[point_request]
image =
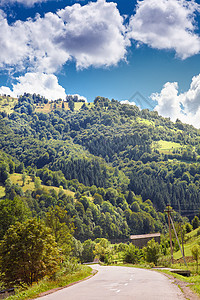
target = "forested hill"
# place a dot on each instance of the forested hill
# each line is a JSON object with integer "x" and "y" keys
{"x": 117, "y": 152}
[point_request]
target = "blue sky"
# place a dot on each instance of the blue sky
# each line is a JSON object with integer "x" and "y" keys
{"x": 104, "y": 48}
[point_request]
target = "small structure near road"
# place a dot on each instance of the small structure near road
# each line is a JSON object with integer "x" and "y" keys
{"x": 141, "y": 240}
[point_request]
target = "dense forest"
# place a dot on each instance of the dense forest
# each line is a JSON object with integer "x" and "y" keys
{"x": 121, "y": 164}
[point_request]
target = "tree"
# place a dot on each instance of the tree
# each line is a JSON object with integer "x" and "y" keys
{"x": 28, "y": 252}
{"x": 152, "y": 251}
{"x": 12, "y": 211}
{"x": 62, "y": 228}
{"x": 71, "y": 105}
{"x": 98, "y": 199}
{"x": 195, "y": 254}
{"x": 195, "y": 222}
{"x": 23, "y": 178}
{"x": 88, "y": 251}
{"x": 188, "y": 227}
{"x": 37, "y": 182}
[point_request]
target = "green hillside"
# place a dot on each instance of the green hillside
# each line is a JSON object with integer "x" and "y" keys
{"x": 192, "y": 238}
{"x": 132, "y": 162}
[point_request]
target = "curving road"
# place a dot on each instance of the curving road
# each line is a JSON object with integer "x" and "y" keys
{"x": 121, "y": 283}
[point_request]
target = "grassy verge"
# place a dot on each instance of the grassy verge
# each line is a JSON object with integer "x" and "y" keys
{"x": 194, "y": 280}
{"x": 47, "y": 284}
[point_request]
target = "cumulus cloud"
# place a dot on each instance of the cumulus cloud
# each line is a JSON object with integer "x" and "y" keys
{"x": 127, "y": 102}
{"x": 44, "y": 84}
{"x": 184, "y": 106}
{"x": 166, "y": 24}
{"x": 24, "y": 2}
{"x": 92, "y": 35}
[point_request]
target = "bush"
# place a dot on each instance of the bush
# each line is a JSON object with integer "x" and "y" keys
{"x": 195, "y": 222}
{"x": 132, "y": 254}
{"x": 188, "y": 227}
{"x": 152, "y": 252}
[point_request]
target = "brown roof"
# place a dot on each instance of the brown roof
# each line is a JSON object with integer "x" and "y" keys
{"x": 144, "y": 236}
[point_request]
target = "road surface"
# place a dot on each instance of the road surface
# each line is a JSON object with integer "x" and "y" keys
{"x": 121, "y": 283}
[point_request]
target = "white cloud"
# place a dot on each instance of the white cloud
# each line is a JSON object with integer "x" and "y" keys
{"x": 24, "y": 2}
{"x": 184, "y": 106}
{"x": 44, "y": 84}
{"x": 127, "y": 102}
{"x": 166, "y": 24}
{"x": 92, "y": 35}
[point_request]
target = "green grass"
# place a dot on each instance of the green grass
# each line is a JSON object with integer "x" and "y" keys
{"x": 193, "y": 280}
{"x": 47, "y": 284}
{"x": 144, "y": 121}
{"x": 48, "y": 107}
{"x": 77, "y": 105}
{"x": 166, "y": 147}
{"x": 29, "y": 184}
{"x": 191, "y": 239}
{"x": 2, "y": 191}
{"x": 7, "y": 104}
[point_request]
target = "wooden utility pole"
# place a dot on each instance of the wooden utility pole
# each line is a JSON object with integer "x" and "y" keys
{"x": 168, "y": 211}
{"x": 182, "y": 241}
{"x": 178, "y": 241}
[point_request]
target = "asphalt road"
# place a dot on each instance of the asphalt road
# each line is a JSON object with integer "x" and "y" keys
{"x": 121, "y": 283}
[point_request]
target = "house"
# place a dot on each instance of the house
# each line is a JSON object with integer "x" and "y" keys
{"x": 141, "y": 240}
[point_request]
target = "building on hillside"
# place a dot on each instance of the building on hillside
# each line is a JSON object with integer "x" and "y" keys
{"x": 141, "y": 240}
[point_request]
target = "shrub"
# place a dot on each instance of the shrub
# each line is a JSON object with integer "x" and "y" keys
{"x": 152, "y": 252}
{"x": 132, "y": 254}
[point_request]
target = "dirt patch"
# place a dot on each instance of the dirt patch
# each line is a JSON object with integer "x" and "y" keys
{"x": 185, "y": 287}
{"x": 68, "y": 285}
{"x": 188, "y": 259}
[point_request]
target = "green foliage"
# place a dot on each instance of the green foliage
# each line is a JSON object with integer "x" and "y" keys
{"x": 132, "y": 254}
{"x": 195, "y": 222}
{"x": 114, "y": 155}
{"x": 88, "y": 251}
{"x": 152, "y": 251}
{"x": 12, "y": 211}
{"x": 62, "y": 228}
{"x": 61, "y": 280}
{"x": 188, "y": 227}
{"x": 28, "y": 252}
{"x": 195, "y": 254}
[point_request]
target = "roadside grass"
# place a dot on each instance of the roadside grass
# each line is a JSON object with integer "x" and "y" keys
{"x": 193, "y": 281}
{"x": 192, "y": 238}
{"x": 47, "y": 284}
{"x": 29, "y": 184}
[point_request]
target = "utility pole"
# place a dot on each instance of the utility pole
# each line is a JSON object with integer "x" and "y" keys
{"x": 168, "y": 211}
{"x": 182, "y": 240}
{"x": 178, "y": 241}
